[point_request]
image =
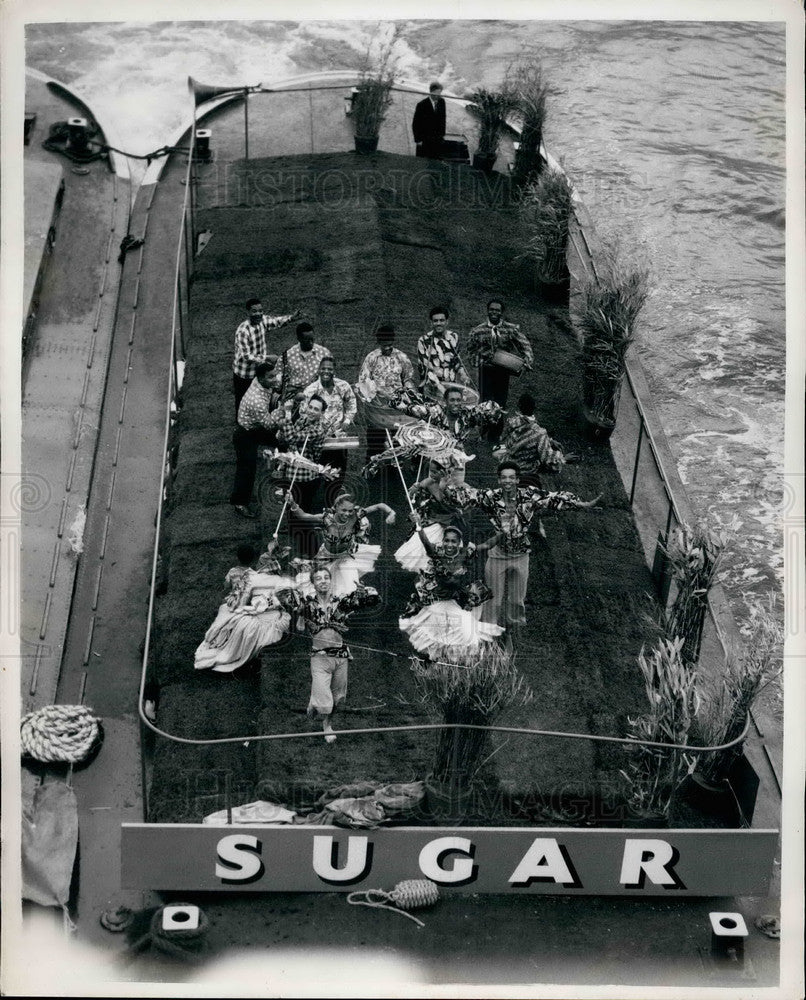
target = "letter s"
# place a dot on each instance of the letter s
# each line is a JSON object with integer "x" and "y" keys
{"x": 240, "y": 857}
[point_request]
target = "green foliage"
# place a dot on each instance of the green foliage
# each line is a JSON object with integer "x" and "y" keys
{"x": 546, "y": 207}
{"x": 653, "y": 774}
{"x": 727, "y": 699}
{"x": 492, "y": 108}
{"x": 472, "y": 689}
{"x": 607, "y": 319}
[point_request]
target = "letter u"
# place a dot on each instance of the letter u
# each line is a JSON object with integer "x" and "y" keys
{"x": 326, "y": 857}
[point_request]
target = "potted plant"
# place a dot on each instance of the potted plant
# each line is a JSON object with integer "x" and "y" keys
{"x": 693, "y": 555}
{"x": 373, "y": 96}
{"x": 491, "y": 109}
{"x": 470, "y": 688}
{"x": 723, "y": 783}
{"x": 527, "y": 81}
{"x": 654, "y": 774}
{"x": 546, "y": 207}
{"x": 610, "y": 306}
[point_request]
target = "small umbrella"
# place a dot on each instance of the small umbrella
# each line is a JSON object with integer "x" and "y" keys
{"x": 426, "y": 439}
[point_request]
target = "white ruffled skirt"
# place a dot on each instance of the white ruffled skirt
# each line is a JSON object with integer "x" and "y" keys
{"x": 346, "y": 570}
{"x": 412, "y": 555}
{"x": 235, "y": 637}
{"x": 444, "y": 623}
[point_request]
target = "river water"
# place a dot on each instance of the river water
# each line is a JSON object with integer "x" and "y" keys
{"x": 673, "y": 133}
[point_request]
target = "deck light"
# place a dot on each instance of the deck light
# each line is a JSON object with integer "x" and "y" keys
{"x": 182, "y": 917}
{"x": 77, "y": 134}
{"x": 203, "y": 151}
{"x": 728, "y": 931}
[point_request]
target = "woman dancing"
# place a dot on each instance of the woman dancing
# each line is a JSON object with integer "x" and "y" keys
{"x": 344, "y": 549}
{"x": 250, "y": 619}
{"x": 433, "y": 509}
{"x": 446, "y": 606}
{"x": 324, "y": 616}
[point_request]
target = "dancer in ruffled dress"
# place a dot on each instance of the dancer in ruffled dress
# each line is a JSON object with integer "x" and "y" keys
{"x": 324, "y": 617}
{"x": 250, "y": 619}
{"x": 344, "y": 549}
{"x": 433, "y": 509}
{"x": 445, "y": 609}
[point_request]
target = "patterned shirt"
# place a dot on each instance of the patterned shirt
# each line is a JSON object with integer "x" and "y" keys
{"x": 250, "y": 343}
{"x": 440, "y": 355}
{"x": 296, "y": 368}
{"x": 480, "y": 415}
{"x": 524, "y": 441}
{"x": 315, "y": 616}
{"x": 340, "y": 399}
{"x": 389, "y": 372}
{"x": 291, "y": 434}
{"x": 512, "y": 520}
{"x": 486, "y": 339}
{"x": 339, "y": 538}
{"x": 447, "y": 578}
{"x": 255, "y": 409}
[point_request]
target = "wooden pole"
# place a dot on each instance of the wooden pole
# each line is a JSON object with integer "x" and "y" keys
{"x": 288, "y": 494}
{"x": 246, "y": 122}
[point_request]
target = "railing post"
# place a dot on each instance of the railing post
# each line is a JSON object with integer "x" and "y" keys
{"x": 637, "y": 457}
{"x": 179, "y": 309}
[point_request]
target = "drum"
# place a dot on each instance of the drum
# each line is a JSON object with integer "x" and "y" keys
{"x": 348, "y": 442}
{"x": 512, "y": 362}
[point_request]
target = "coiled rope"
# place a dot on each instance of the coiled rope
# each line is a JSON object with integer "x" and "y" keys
{"x": 410, "y": 894}
{"x": 65, "y": 734}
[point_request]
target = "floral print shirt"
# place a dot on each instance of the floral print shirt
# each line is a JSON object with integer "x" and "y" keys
{"x": 440, "y": 355}
{"x": 486, "y": 339}
{"x": 340, "y": 538}
{"x": 480, "y": 415}
{"x": 389, "y": 372}
{"x": 316, "y": 616}
{"x": 512, "y": 519}
{"x": 340, "y": 399}
{"x": 447, "y": 578}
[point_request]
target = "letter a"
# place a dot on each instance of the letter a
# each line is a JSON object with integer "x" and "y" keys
{"x": 545, "y": 861}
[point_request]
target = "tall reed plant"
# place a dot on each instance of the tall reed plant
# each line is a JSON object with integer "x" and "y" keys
{"x": 746, "y": 679}
{"x": 654, "y": 774}
{"x": 610, "y": 306}
{"x": 527, "y": 80}
{"x": 491, "y": 109}
{"x": 470, "y": 688}
{"x": 546, "y": 207}
{"x": 694, "y": 554}
{"x": 373, "y": 96}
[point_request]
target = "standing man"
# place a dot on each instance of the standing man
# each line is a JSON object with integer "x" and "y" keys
{"x": 392, "y": 374}
{"x": 341, "y": 408}
{"x": 428, "y": 124}
{"x": 487, "y": 338}
{"x": 255, "y": 426}
{"x": 299, "y": 365}
{"x": 251, "y": 346}
{"x": 510, "y": 509}
{"x": 438, "y": 354}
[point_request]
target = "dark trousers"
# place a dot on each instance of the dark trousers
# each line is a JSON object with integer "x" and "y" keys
{"x": 493, "y": 384}
{"x": 303, "y": 538}
{"x": 246, "y": 444}
{"x": 239, "y": 387}
{"x": 376, "y": 441}
{"x": 431, "y": 148}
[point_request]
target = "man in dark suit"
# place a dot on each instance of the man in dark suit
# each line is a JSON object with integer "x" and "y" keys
{"x": 428, "y": 124}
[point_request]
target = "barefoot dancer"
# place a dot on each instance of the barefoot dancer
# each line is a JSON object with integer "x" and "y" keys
{"x": 324, "y": 617}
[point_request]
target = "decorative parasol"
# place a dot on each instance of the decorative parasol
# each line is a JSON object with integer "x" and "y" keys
{"x": 426, "y": 439}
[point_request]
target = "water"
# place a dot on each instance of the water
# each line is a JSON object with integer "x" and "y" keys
{"x": 673, "y": 133}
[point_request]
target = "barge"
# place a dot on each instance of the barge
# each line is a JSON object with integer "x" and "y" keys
{"x": 352, "y": 241}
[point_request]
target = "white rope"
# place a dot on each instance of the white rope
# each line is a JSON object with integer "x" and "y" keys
{"x": 410, "y": 894}
{"x": 60, "y": 733}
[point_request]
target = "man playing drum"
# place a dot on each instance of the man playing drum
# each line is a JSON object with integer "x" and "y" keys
{"x": 499, "y": 350}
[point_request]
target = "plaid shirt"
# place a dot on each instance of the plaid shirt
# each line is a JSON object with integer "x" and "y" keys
{"x": 297, "y": 368}
{"x": 486, "y": 339}
{"x": 250, "y": 344}
{"x": 255, "y": 409}
{"x": 440, "y": 355}
{"x": 341, "y": 404}
{"x": 292, "y": 433}
{"x": 524, "y": 441}
{"x": 512, "y": 521}
{"x": 389, "y": 372}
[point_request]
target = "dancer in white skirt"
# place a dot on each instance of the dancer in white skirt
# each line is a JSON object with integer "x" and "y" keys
{"x": 344, "y": 550}
{"x": 446, "y": 606}
{"x": 434, "y": 511}
{"x": 249, "y": 620}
